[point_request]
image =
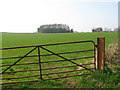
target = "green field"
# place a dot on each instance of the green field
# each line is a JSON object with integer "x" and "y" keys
{"x": 17, "y": 39}
{"x": 25, "y": 39}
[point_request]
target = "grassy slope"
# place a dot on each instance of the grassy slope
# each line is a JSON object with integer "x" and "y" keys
{"x": 12, "y": 39}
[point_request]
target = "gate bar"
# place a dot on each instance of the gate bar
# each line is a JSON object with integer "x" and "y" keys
{"x": 47, "y": 68}
{"x": 65, "y": 58}
{"x": 67, "y": 76}
{"x": 48, "y": 44}
{"x": 19, "y": 60}
{"x": 50, "y": 61}
{"x": 44, "y": 79}
{"x": 47, "y": 74}
{"x": 40, "y": 63}
{"x": 48, "y": 54}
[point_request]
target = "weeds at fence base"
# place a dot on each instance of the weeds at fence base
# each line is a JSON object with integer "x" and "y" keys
{"x": 112, "y": 56}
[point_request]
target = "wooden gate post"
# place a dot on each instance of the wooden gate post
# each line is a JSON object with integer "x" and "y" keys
{"x": 100, "y": 53}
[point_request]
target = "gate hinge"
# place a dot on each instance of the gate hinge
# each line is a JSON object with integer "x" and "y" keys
{"x": 96, "y": 45}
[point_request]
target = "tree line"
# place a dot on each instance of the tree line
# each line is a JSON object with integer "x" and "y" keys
{"x": 55, "y": 28}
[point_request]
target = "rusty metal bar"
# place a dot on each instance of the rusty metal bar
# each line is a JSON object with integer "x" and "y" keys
{"x": 18, "y": 57}
{"x": 21, "y": 71}
{"x": 19, "y": 82}
{"x": 100, "y": 53}
{"x": 67, "y": 76}
{"x": 94, "y": 57}
{"x": 96, "y": 66}
{"x": 47, "y": 45}
{"x": 41, "y": 46}
{"x": 65, "y": 58}
{"x": 40, "y": 62}
{"x": 19, "y": 77}
{"x": 19, "y": 60}
{"x": 68, "y": 59}
{"x": 49, "y": 54}
{"x": 45, "y": 74}
{"x": 65, "y": 66}
{"x": 66, "y": 71}
{"x": 47, "y": 68}
{"x": 19, "y": 64}
{"x": 44, "y": 79}
{"x": 50, "y": 61}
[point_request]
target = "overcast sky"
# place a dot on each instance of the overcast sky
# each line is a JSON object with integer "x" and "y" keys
{"x": 81, "y": 15}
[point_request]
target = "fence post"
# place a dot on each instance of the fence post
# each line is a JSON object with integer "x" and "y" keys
{"x": 100, "y": 53}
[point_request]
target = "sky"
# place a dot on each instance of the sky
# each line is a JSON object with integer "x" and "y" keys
{"x": 25, "y": 16}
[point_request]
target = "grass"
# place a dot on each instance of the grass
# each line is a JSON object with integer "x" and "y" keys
{"x": 94, "y": 81}
{"x": 98, "y": 79}
{"x": 18, "y": 39}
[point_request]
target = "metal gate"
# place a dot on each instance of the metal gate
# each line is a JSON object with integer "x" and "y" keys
{"x": 12, "y": 73}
